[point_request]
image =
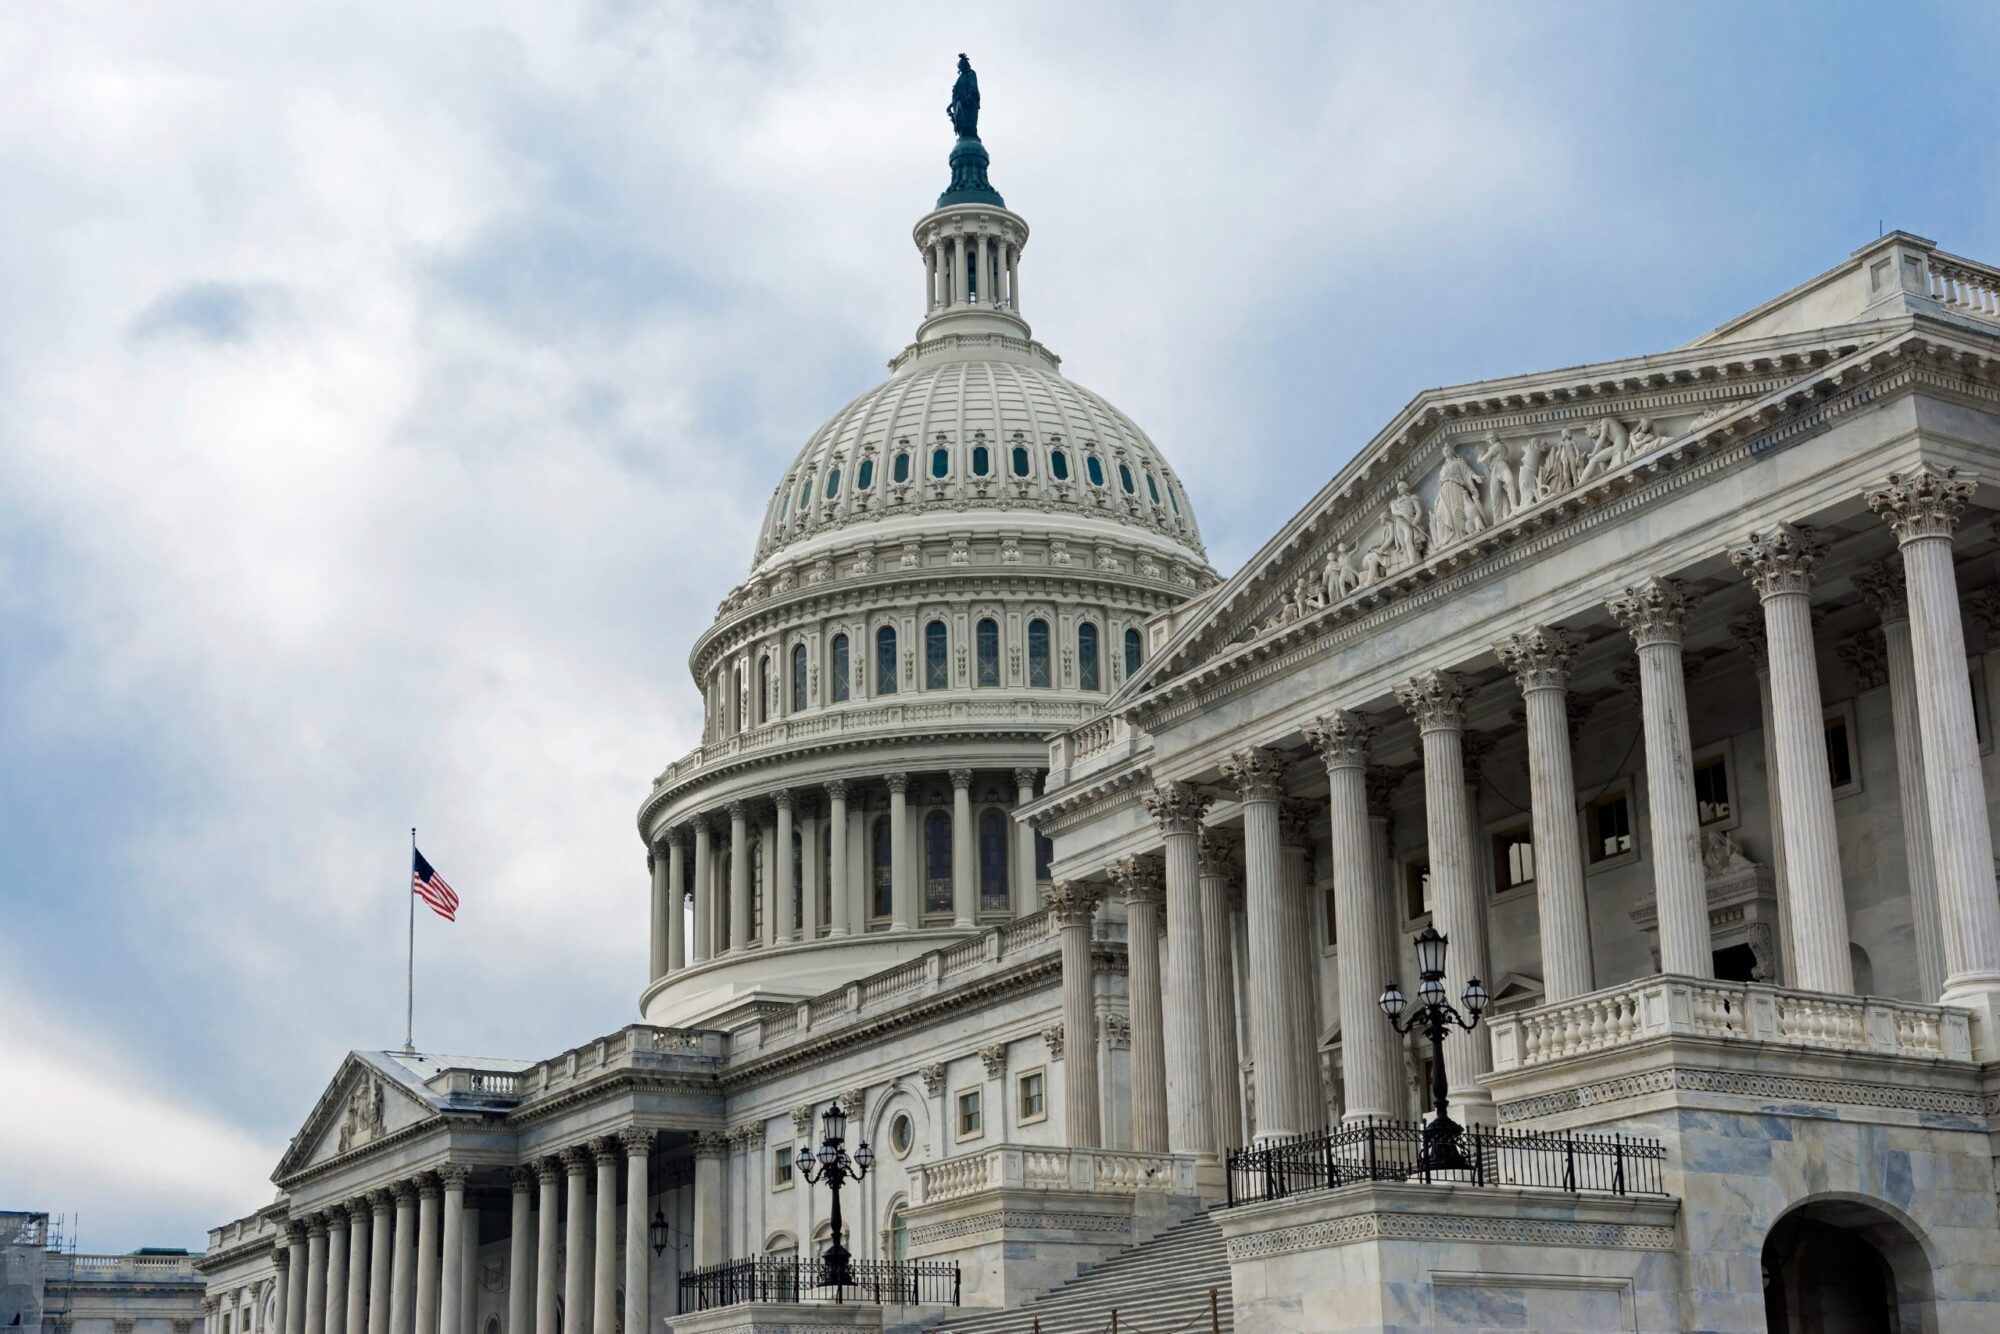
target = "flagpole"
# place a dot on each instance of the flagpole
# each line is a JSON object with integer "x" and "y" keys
{"x": 410, "y": 990}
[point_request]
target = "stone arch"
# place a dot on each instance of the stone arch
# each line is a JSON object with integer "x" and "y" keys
{"x": 1838, "y": 1263}
{"x": 781, "y": 1242}
{"x": 1864, "y": 970}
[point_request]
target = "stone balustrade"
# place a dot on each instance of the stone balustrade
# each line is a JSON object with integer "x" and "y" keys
{"x": 1963, "y": 285}
{"x": 122, "y": 1268}
{"x": 1670, "y": 1006}
{"x": 1025, "y": 1167}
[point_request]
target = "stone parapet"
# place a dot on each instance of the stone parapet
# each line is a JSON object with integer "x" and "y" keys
{"x": 807, "y": 1318}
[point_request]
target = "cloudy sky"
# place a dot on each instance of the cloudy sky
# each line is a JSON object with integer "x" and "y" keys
{"x": 388, "y": 393}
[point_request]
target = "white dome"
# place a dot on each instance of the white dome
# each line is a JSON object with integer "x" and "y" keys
{"x": 978, "y": 422}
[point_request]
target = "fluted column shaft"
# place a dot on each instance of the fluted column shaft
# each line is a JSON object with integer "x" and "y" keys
{"x": 316, "y": 1277}
{"x": 1177, "y": 809}
{"x": 1301, "y": 978}
{"x": 779, "y": 929}
{"x": 360, "y": 1235}
{"x": 451, "y": 1293}
{"x": 1273, "y": 1030}
{"x": 1027, "y": 892}
{"x": 336, "y": 1272}
{"x": 381, "y": 1260}
{"x": 638, "y": 1146}
{"x": 656, "y": 935}
{"x": 1367, "y": 1058}
{"x": 676, "y": 904}
{"x": 1749, "y": 632}
{"x": 964, "y": 872}
{"x": 739, "y": 877}
{"x": 604, "y": 1269}
{"x": 1075, "y": 905}
{"x": 836, "y": 807}
{"x": 708, "y": 1207}
{"x": 521, "y": 1252}
{"x": 576, "y": 1240}
{"x": 1923, "y": 507}
{"x": 403, "y": 1265}
{"x": 902, "y": 892}
{"x": 1540, "y": 660}
{"x": 428, "y": 1197}
{"x": 1437, "y": 701}
{"x": 1388, "y": 893}
{"x": 548, "y": 1220}
{"x": 1139, "y": 880}
{"x": 1781, "y": 564}
{"x": 704, "y": 896}
{"x": 293, "y": 1316}
{"x": 1218, "y": 975}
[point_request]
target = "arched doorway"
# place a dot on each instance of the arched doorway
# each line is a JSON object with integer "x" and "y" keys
{"x": 1844, "y": 1266}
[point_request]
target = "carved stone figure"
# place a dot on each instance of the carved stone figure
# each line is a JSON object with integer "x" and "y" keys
{"x": 1502, "y": 496}
{"x": 964, "y": 108}
{"x": 362, "y": 1119}
{"x": 1406, "y": 526}
{"x": 1339, "y": 577}
{"x": 1720, "y": 855}
{"x": 1607, "y": 450}
{"x": 1558, "y": 473}
{"x": 1456, "y": 513}
{"x": 1644, "y": 439}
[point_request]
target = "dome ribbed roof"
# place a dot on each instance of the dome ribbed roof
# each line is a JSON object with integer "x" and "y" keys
{"x": 1050, "y": 446}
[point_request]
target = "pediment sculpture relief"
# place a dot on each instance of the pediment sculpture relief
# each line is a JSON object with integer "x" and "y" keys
{"x": 361, "y": 1121}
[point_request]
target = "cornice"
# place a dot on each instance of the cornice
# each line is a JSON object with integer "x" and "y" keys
{"x": 1103, "y": 792}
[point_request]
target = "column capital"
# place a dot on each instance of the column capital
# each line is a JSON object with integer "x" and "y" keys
{"x": 637, "y": 1141}
{"x": 1341, "y": 738}
{"x": 522, "y": 1178}
{"x": 1749, "y": 632}
{"x": 454, "y": 1174}
{"x": 358, "y": 1209}
{"x": 802, "y": 1119}
{"x": 1256, "y": 772}
{"x": 1074, "y": 902}
{"x": 281, "y": 1259}
{"x": 710, "y": 1145}
{"x": 994, "y": 1058}
{"x": 547, "y": 1169}
{"x": 382, "y": 1202}
{"x": 1138, "y": 878}
{"x": 784, "y": 799}
{"x": 1295, "y": 824}
{"x": 1881, "y": 587}
{"x": 1436, "y": 700}
{"x": 702, "y": 822}
{"x": 1382, "y": 784}
{"x": 677, "y": 836}
{"x": 1655, "y": 611}
{"x": 897, "y": 782}
{"x": 1214, "y": 853}
{"x": 317, "y": 1225}
{"x": 1477, "y": 748}
{"x": 1118, "y": 1031}
{"x": 651, "y": 861}
{"x": 933, "y": 1077}
{"x": 1923, "y": 502}
{"x": 1026, "y": 778}
{"x": 961, "y": 778}
{"x": 405, "y": 1192}
{"x": 1539, "y": 658}
{"x": 851, "y": 1103}
{"x": 1176, "y": 808}
{"x": 1052, "y": 1038}
{"x": 836, "y": 789}
{"x": 1866, "y": 658}
{"x": 739, "y": 811}
{"x": 428, "y": 1186}
{"x": 576, "y": 1158}
{"x": 1780, "y": 560}
{"x": 607, "y": 1149}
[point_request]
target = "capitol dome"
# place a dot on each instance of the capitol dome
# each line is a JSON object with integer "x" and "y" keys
{"x": 962, "y": 562}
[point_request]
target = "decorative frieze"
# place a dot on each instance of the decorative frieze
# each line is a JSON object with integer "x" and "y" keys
{"x": 1387, "y": 1225}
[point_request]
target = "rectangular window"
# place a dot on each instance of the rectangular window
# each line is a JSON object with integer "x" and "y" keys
{"x": 1840, "y": 764}
{"x": 781, "y": 1167}
{"x": 1513, "y": 858}
{"x": 1976, "y": 666}
{"x": 1332, "y": 931}
{"x": 1032, "y": 1097}
{"x": 968, "y": 1114}
{"x": 1610, "y": 827}
{"x": 1417, "y": 888}
{"x": 1711, "y": 791}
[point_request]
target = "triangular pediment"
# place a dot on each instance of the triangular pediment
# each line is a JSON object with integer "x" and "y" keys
{"x": 369, "y": 1099}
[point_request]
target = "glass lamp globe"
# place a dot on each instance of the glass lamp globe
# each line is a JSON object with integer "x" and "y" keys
{"x": 864, "y": 1157}
{"x": 1430, "y": 952}
{"x": 1431, "y": 990}
{"x": 834, "y": 1123}
{"x": 1475, "y": 998}
{"x": 1392, "y": 1001}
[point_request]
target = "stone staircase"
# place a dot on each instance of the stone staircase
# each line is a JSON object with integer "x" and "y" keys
{"x": 1157, "y": 1287}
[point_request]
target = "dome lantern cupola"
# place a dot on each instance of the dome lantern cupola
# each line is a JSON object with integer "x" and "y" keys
{"x": 971, "y": 244}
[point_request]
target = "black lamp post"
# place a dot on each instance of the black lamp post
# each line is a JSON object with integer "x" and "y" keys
{"x": 832, "y": 1165}
{"x": 1435, "y": 1016}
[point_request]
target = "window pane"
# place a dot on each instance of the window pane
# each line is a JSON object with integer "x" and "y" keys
{"x": 979, "y": 460}
{"x": 940, "y": 463}
{"x": 883, "y": 868}
{"x": 885, "y": 660}
{"x": 901, "y": 471}
{"x": 1038, "y": 653}
{"x": 1611, "y": 828}
{"x": 1045, "y": 852}
{"x": 1839, "y": 754}
{"x": 1417, "y": 889}
{"x": 864, "y": 476}
{"x": 1125, "y": 479}
{"x": 764, "y": 689}
{"x": 1031, "y": 1096}
{"x": 937, "y": 862}
{"x": 833, "y": 484}
{"x": 993, "y": 842}
{"x": 989, "y": 653}
{"x": 1086, "y": 656}
{"x": 1513, "y": 858}
{"x": 1059, "y": 465}
{"x": 840, "y": 666}
{"x": 1093, "y": 469}
{"x": 1020, "y": 461}
{"x": 1152, "y": 488}
{"x": 798, "y": 677}
{"x": 937, "y": 657}
{"x": 1711, "y": 791}
{"x": 1131, "y": 652}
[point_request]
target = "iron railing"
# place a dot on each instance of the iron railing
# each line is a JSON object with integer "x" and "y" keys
{"x": 786, "y": 1278}
{"x": 1392, "y": 1151}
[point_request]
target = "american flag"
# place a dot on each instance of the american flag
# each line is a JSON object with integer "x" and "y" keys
{"x": 429, "y": 886}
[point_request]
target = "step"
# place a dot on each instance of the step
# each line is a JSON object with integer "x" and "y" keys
{"x": 1160, "y": 1286}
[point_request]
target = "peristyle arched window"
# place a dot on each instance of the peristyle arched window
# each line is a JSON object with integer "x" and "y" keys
{"x": 885, "y": 660}
{"x": 798, "y": 677}
{"x": 1038, "y": 653}
{"x": 937, "y": 656}
{"x": 900, "y": 472}
{"x": 993, "y": 840}
{"x": 1132, "y": 651}
{"x": 989, "y": 652}
{"x": 864, "y": 476}
{"x": 840, "y": 668}
{"x": 937, "y": 862}
{"x": 1086, "y": 656}
{"x": 882, "y": 856}
{"x": 764, "y": 688}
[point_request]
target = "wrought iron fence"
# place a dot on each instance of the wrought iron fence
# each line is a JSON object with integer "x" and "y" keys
{"x": 1391, "y": 1151}
{"x": 786, "y": 1278}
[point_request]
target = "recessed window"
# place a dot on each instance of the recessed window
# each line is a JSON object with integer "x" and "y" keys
{"x": 937, "y": 656}
{"x": 1610, "y": 827}
{"x": 1045, "y": 853}
{"x": 1711, "y": 791}
{"x": 1038, "y": 653}
{"x": 981, "y": 460}
{"x": 1173, "y": 499}
{"x": 1059, "y": 465}
{"x": 798, "y": 677}
{"x": 937, "y": 862}
{"x": 833, "y": 484}
{"x": 781, "y": 1166}
{"x": 883, "y": 855}
{"x": 902, "y": 1134}
{"x": 864, "y": 476}
{"x": 1125, "y": 479}
{"x": 1031, "y": 1099}
{"x": 784, "y": 505}
{"x": 885, "y": 660}
{"x": 1840, "y": 766}
{"x": 1093, "y": 470}
{"x": 1152, "y": 488}
{"x": 1513, "y": 858}
{"x": 993, "y": 840}
{"x": 1086, "y": 656}
{"x": 1133, "y": 650}
{"x": 764, "y": 688}
{"x": 1020, "y": 461}
{"x": 1417, "y": 889}
{"x": 988, "y": 638}
{"x": 969, "y": 1114}
{"x": 940, "y": 462}
{"x": 900, "y": 470}
{"x": 806, "y": 493}
{"x": 840, "y": 665}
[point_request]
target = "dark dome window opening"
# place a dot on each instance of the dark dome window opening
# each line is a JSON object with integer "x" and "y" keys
{"x": 900, "y": 472}
{"x": 1086, "y": 656}
{"x": 864, "y": 476}
{"x": 840, "y": 666}
{"x": 885, "y": 660}
{"x": 1125, "y": 480}
{"x": 1020, "y": 461}
{"x": 940, "y": 462}
{"x": 1059, "y": 465}
{"x": 980, "y": 461}
{"x": 937, "y": 862}
{"x": 1093, "y": 469}
{"x": 1132, "y": 651}
{"x": 833, "y": 484}
{"x": 1038, "y": 653}
{"x": 988, "y": 645}
{"x": 937, "y": 657}
{"x": 994, "y": 828}
{"x": 1152, "y": 488}
{"x": 798, "y": 677}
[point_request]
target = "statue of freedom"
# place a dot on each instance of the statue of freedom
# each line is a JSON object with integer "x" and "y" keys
{"x": 964, "y": 108}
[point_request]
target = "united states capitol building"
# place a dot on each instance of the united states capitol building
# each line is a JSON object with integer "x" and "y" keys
{"x": 1070, "y": 874}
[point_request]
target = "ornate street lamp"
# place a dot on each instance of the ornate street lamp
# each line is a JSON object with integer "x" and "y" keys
{"x": 1434, "y": 1016}
{"x": 831, "y": 1164}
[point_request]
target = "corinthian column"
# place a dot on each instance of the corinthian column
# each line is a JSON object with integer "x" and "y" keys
{"x": 381, "y": 1259}
{"x": 427, "y": 1255}
{"x": 779, "y": 929}
{"x": 739, "y": 876}
{"x": 638, "y": 1145}
{"x": 1780, "y": 565}
{"x": 356, "y": 1299}
{"x": 1256, "y": 774}
{"x": 520, "y": 1251}
{"x": 836, "y": 827}
{"x": 1655, "y": 614}
{"x": 964, "y": 874}
{"x": 656, "y": 936}
{"x": 711, "y": 1151}
{"x": 316, "y": 1275}
{"x": 604, "y": 1270}
{"x": 548, "y": 1216}
{"x": 336, "y": 1271}
{"x": 1749, "y": 632}
{"x": 1923, "y": 507}
{"x": 1139, "y": 879}
{"x": 1177, "y": 809}
{"x": 1218, "y": 975}
{"x": 1367, "y": 1057}
{"x": 1026, "y": 890}
{"x": 676, "y": 906}
{"x": 576, "y": 1238}
{"x": 451, "y": 1295}
{"x": 1074, "y": 903}
{"x": 902, "y": 897}
{"x": 290, "y": 1260}
{"x": 403, "y": 1281}
{"x": 1540, "y": 661}
{"x": 1302, "y": 950}
{"x": 704, "y": 893}
{"x": 1437, "y": 701}
{"x": 1881, "y": 587}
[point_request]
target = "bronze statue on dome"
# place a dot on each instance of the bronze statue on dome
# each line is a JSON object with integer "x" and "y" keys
{"x": 964, "y": 108}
